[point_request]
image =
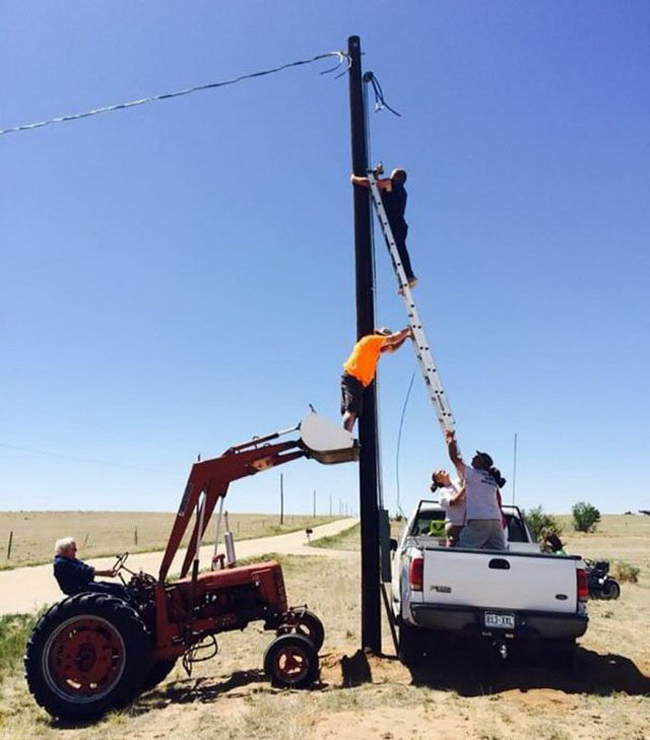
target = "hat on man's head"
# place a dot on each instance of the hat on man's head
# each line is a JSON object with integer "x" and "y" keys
{"x": 383, "y": 331}
{"x": 485, "y": 458}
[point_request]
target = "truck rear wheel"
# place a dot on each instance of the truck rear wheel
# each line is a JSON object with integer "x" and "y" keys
{"x": 412, "y": 644}
{"x": 88, "y": 654}
{"x": 291, "y": 661}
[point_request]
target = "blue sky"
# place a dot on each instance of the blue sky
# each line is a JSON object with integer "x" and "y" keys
{"x": 179, "y": 277}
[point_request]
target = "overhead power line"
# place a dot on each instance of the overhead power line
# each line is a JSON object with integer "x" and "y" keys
{"x": 340, "y": 55}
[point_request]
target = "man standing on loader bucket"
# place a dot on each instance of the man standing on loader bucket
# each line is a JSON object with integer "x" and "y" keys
{"x": 360, "y": 368}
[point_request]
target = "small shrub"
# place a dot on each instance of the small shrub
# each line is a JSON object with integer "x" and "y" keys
{"x": 540, "y": 523}
{"x": 585, "y": 517}
{"x": 625, "y": 572}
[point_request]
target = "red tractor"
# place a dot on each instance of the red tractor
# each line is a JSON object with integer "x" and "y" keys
{"x": 92, "y": 652}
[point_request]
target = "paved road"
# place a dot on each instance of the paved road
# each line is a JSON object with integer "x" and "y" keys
{"x": 26, "y": 589}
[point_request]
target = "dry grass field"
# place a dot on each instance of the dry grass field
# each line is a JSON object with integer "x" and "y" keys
{"x": 606, "y": 697}
{"x": 100, "y": 533}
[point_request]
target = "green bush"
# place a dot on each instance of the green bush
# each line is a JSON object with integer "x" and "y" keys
{"x": 585, "y": 517}
{"x": 539, "y": 522}
{"x": 625, "y": 572}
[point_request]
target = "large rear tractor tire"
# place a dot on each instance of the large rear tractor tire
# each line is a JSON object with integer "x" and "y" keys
{"x": 305, "y": 623}
{"x": 158, "y": 672}
{"x": 291, "y": 662}
{"x": 88, "y": 654}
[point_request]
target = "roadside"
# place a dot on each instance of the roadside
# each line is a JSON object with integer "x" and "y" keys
{"x": 26, "y": 589}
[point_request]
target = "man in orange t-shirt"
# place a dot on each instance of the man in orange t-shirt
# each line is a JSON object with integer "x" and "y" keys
{"x": 360, "y": 368}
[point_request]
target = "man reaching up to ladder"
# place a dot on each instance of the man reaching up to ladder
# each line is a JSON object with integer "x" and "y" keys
{"x": 393, "y": 196}
{"x": 361, "y": 366}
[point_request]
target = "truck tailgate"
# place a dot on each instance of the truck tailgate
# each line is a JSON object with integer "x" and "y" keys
{"x": 500, "y": 580}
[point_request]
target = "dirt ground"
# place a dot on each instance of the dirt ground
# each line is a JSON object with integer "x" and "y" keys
{"x": 457, "y": 694}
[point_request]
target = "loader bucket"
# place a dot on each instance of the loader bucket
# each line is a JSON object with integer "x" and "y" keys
{"x": 326, "y": 442}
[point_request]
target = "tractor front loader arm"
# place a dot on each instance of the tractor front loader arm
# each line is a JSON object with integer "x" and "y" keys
{"x": 213, "y": 477}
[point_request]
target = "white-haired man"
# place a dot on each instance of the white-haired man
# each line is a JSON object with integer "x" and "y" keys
{"x": 75, "y": 577}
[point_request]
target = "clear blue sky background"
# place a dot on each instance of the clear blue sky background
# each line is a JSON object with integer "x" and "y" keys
{"x": 179, "y": 277}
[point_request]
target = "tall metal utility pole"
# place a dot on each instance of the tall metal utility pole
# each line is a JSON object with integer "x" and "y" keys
{"x": 368, "y": 509}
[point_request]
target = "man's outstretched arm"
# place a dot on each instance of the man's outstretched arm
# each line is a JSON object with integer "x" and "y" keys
{"x": 395, "y": 341}
{"x": 452, "y": 449}
{"x": 384, "y": 184}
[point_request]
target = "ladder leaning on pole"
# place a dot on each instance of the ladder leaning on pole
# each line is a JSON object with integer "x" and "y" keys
{"x": 422, "y": 350}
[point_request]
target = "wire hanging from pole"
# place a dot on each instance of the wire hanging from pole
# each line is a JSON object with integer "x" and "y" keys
{"x": 399, "y": 441}
{"x": 342, "y": 57}
{"x": 380, "y": 101}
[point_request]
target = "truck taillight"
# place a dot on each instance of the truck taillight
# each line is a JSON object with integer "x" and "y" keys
{"x": 416, "y": 574}
{"x": 583, "y": 588}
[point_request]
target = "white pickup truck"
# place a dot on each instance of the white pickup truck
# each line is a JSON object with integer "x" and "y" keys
{"x": 504, "y": 596}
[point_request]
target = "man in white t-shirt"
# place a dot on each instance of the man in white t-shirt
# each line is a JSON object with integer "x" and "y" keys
{"x": 484, "y": 521}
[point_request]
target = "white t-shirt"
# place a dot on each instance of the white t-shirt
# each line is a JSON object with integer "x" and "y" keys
{"x": 481, "y": 495}
{"x": 454, "y": 514}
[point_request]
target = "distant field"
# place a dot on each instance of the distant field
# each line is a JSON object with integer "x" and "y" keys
{"x": 101, "y": 533}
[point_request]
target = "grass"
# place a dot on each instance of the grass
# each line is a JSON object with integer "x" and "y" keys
{"x": 100, "y": 534}
{"x": 14, "y": 630}
{"x": 348, "y": 539}
{"x": 229, "y": 698}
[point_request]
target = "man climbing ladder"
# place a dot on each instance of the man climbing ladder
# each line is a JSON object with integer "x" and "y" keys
{"x": 393, "y": 197}
{"x": 422, "y": 350}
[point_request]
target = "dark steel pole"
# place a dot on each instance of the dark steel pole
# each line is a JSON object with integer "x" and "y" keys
{"x": 370, "y": 598}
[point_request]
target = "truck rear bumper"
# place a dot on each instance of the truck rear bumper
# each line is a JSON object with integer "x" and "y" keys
{"x": 471, "y": 622}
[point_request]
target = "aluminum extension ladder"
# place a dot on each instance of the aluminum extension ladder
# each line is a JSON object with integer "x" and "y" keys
{"x": 422, "y": 350}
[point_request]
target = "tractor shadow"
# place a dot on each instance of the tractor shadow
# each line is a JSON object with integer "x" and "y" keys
{"x": 473, "y": 673}
{"x": 204, "y": 690}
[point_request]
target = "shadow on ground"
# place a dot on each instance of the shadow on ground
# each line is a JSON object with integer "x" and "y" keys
{"x": 472, "y": 674}
{"x": 475, "y": 672}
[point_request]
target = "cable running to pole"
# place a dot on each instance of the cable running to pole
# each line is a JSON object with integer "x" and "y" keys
{"x": 342, "y": 57}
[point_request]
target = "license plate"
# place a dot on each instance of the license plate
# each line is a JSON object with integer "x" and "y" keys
{"x": 499, "y": 621}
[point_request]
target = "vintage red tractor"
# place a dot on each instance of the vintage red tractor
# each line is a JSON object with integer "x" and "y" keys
{"x": 92, "y": 652}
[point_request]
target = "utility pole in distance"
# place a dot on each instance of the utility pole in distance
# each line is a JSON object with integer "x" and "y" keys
{"x": 281, "y": 500}
{"x": 314, "y": 513}
{"x": 368, "y": 510}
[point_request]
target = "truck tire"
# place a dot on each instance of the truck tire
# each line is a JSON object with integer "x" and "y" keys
{"x": 307, "y": 624}
{"x": 158, "y": 672}
{"x": 88, "y": 654}
{"x": 291, "y": 662}
{"x": 412, "y": 643}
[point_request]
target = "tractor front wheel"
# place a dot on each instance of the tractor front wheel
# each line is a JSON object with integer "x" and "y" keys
{"x": 291, "y": 661}
{"x": 305, "y": 623}
{"x": 88, "y": 654}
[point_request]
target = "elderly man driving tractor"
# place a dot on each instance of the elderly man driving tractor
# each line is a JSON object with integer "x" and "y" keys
{"x": 74, "y": 576}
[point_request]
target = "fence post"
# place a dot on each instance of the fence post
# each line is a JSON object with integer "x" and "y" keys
{"x": 11, "y": 539}
{"x": 135, "y": 537}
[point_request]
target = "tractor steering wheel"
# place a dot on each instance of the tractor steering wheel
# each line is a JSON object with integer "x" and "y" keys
{"x": 119, "y": 562}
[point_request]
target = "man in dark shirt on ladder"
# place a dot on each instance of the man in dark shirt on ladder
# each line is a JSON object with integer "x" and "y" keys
{"x": 394, "y": 195}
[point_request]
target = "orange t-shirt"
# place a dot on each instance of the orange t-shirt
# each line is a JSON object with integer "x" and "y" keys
{"x": 362, "y": 363}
